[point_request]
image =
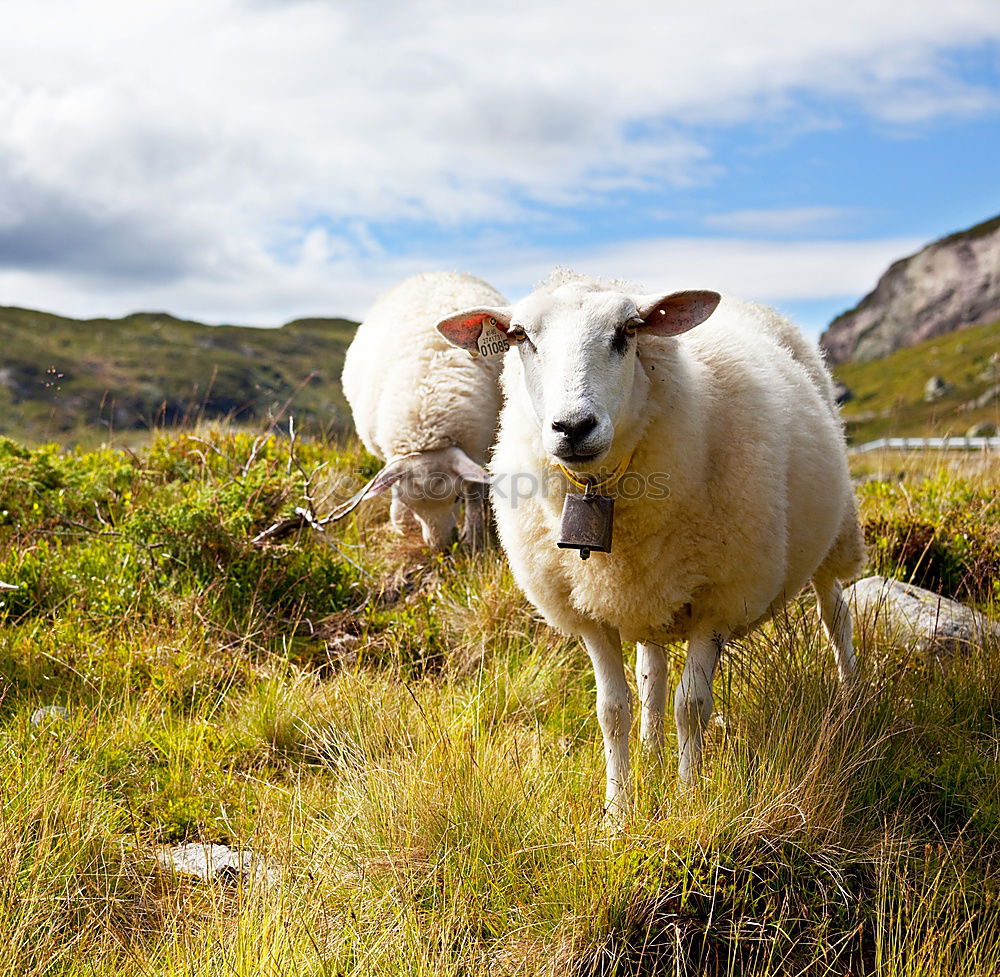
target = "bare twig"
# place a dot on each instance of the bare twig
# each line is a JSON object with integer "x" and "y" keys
{"x": 280, "y": 529}
{"x": 258, "y": 443}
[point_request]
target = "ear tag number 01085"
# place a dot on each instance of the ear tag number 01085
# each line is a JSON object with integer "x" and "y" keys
{"x": 492, "y": 342}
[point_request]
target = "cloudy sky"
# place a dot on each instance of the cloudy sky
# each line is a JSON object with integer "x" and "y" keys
{"x": 255, "y": 161}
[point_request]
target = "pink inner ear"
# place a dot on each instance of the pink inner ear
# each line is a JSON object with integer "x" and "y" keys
{"x": 473, "y": 325}
{"x": 384, "y": 481}
{"x": 463, "y": 331}
{"x": 677, "y": 313}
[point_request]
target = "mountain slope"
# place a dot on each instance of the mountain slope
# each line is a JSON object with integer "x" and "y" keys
{"x": 60, "y": 377}
{"x": 951, "y": 284}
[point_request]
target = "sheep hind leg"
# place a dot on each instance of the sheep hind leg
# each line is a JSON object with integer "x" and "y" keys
{"x": 614, "y": 712}
{"x": 693, "y": 700}
{"x": 651, "y": 682}
{"x": 836, "y": 618}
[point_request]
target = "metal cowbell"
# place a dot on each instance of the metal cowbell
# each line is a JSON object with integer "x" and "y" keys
{"x": 587, "y": 524}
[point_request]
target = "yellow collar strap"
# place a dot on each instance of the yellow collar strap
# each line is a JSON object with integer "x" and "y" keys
{"x": 593, "y": 488}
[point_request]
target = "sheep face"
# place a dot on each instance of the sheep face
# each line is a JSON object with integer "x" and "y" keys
{"x": 577, "y": 345}
{"x": 426, "y": 485}
{"x": 577, "y": 350}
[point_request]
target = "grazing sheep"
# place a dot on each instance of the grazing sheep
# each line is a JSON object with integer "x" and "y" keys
{"x": 737, "y": 417}
{"x": 423, "y": 407}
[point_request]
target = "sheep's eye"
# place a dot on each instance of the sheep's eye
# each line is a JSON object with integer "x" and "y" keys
{"x": 631, "y": 326}
{"x": 517, "y": 334}
{"x": 619, "y": 341}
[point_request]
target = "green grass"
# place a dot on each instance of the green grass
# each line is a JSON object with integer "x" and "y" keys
{"x": 889, "y": 393}
{"x": 416, "y": 757}
{"x": 934, "y": 520}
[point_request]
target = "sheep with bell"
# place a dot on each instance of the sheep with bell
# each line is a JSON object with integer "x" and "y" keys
{"x": 734, "y": 410}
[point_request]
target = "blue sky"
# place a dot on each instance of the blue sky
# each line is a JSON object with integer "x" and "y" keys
{"x": 255, "y": 161}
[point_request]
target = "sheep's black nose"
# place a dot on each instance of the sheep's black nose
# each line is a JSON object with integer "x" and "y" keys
{"x": 576, "y": 427}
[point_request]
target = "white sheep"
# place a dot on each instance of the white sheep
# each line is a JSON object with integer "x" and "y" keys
{"x": 736, "y": 417}
{"x": 423, "y": 407}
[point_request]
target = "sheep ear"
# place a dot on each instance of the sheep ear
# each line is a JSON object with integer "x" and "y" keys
{"x": 670, "y": 315}
{"x": 464, "y": 329}
{"x": 466, "y": 469}
{"x": 385, "y": 480}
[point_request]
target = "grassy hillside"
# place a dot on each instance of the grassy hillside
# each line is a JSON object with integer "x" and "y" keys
{"x": 889, "y": 393}
{"x": 416, "y": 757}
{"x": 81, "y": 382}
{"x": 67, "y": 380}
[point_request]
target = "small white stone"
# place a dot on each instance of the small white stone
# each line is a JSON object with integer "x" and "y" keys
{"x": 49, "y": 714}
{"x": 211, "y": 862}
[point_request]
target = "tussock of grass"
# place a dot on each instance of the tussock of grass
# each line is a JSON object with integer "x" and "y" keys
{"x": 935, "y": 521}
{"x": 416, "y": 757}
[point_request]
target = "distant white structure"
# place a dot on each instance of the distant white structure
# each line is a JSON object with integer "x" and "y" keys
{"x": 928, "y": 444}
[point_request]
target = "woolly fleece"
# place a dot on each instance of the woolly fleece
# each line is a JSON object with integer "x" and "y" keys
{"x": 739, "y": 415}
{"x": 409, "y": 389}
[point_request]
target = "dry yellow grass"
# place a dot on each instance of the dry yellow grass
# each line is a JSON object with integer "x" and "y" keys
{"x": 427, "y": 793}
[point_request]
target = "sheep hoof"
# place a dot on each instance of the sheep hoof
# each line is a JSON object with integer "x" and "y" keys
{"x": 615, "y": 819}
{"x": 688, "y": 773}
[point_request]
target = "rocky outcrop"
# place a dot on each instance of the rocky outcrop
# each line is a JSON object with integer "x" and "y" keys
{"x": 917, "y": 618}
{"x": 935, "y": 388}
{"x": 952, "y": 283}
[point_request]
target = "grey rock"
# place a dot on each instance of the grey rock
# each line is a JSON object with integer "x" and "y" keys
{"x": 213, "y": 863}
{"x": 919, "y": 619}
{"x": 48, "y": 714}
{"x": 935, "y": 388}
{"x": 984, "y": 429}
{"x": 986, "y": 398}
{"x": 950, "y": 284}
{"x": 343, "y": 648}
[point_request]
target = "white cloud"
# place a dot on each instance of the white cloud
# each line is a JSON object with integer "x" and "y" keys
{"x": 330, "y": 280}
{"x": 765, "y": 271}
{"x": 786, "y": 221}
{"x": 206, "y": 138}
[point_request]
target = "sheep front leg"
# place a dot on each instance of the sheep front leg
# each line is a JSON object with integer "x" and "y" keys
{"x": 614, "y": 712}
{"x": 651, "y": 681}
{"x": 474, "y": 529}
{"x": 401, "y": 516}
{"x": 693, "y": 700}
